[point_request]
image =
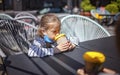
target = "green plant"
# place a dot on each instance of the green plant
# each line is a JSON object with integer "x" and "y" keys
{"x": 118, "y": 3}
{"x": 112, "y": 8}
{"x": 86, "y": 5}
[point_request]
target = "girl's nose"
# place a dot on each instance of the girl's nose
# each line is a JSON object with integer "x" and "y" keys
{"x": 57, "y": 34}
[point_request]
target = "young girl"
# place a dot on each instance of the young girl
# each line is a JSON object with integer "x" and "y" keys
{"x": 44, "y": 44}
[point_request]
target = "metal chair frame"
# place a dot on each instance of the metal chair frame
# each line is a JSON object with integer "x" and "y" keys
{"x": 13, "y": 39}
{"x": 82, "y": 27}
{"x": 25, "y": 14}
{"x": 5, "y": 16}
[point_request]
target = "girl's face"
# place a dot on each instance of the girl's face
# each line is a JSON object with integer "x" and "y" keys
{"x": 53, "y": 30}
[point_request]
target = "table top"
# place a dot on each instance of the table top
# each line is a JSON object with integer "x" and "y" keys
{"x": 59, "y": 64}
{"x": 106, "y": 45}
{"x": 65, "y": 63}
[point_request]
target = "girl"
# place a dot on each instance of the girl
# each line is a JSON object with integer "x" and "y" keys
{"x": 44, "y": 44}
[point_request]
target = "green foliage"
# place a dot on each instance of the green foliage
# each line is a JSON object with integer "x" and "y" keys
{"x": 86, "y": 5}
{"x": 112, "y": 8}
{"x": 118, "y": 3}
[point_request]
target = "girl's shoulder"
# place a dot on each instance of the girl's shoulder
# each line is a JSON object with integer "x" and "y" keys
{"x": 39, "y": 39}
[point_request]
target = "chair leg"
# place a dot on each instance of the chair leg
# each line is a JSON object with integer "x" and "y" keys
{"x": 2, "y": 67}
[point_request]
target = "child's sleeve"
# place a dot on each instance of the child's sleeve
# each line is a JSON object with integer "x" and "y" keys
{"x": 36, "y": 50}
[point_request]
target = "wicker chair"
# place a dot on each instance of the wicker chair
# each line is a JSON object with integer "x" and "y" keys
{"x": 13, "y": 40}
{"x": 82, "y": 27}
{"x": 5, "y": 16}
{"x": 25, "y": 14}
{"x": 27, "y": 17}
{"x": 16, "y": 31}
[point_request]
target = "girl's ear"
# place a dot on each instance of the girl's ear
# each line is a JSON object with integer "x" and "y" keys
{"x": 44, "y": 31}
{"x": 41, "y": 30}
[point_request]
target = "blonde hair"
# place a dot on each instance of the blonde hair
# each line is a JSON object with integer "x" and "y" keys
{"x": 45, "y": 22}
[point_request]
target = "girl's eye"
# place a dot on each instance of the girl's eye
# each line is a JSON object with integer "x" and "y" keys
{"x": 54, "y": 31}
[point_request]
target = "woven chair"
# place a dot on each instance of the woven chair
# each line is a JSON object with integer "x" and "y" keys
{"x": 27, "y": 17}
{"x": 13, "y": 38}
{"x": 31, "y": 25}
{"x": 29, "y": 30}
{"x": 82, "y": 27}
{"x": 5, "y": 16}
{"x": 26, "y": 14}
{"x": 11, "y": 43}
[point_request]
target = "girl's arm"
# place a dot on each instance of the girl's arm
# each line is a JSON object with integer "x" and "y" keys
{"x": 36, "y": 50}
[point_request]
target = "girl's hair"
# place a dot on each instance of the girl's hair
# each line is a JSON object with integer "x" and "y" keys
{"x": 44, "y": 22}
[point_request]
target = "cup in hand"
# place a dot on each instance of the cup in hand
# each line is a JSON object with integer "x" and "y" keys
{"x": 61, "y": 38}
{"x": 74, "y": 40}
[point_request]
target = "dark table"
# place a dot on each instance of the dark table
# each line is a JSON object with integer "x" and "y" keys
{"x": 64, "y": 63}
{"x": 108, "y": 47}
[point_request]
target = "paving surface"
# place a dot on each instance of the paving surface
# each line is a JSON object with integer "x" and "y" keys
{"x": 110, "y": 29}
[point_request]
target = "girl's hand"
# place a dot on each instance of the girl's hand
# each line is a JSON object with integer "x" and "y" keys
{"x": 71, "y": 46}
{"x": 109, "y": 71}
{"x": 63, "y": 46}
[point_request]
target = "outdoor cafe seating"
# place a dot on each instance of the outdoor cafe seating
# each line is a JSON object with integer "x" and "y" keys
{"x": 5, "y": 16}
{"x": 82, "y": 27}
{"x": 91, "y": 36}
{"x": 16, "y": 36}
{"x": 66, "y": 63}
{"x": 27, "y": 17}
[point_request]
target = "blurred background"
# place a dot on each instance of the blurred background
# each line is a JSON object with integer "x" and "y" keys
{"x": 40, "y": 4}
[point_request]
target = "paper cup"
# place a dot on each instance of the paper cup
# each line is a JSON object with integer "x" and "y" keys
{"x": 61, "y": 38}
{"x": 93, "y": 61}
